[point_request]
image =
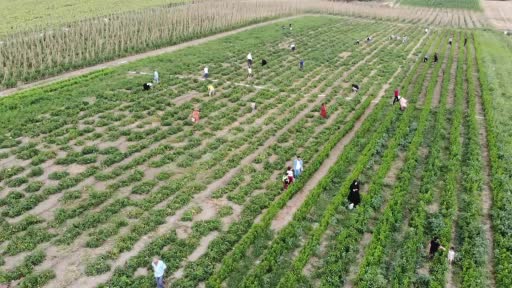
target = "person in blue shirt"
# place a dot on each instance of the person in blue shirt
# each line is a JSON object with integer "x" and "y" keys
{"x": 159, "y": 271}
{"x": 301, "y": 65}
{"x": 298, "y": 166}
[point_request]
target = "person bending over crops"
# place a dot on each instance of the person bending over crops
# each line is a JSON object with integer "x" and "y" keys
{"x": 355, "y": 87}
{"x": 297, "y": 166}
{"x": 211, "y": 90}
{"x": 289, "y": 173}
{"x": 301, "y": 65}
{"x": 465, "y": 40}
{"x": 158, "y": 271}
{"x": 369, "y": 39}
{"x": 323, "y": 111}
{"x": 263, "y": 62}
{"x": 436, "y": 57}
{"x": 450, "y": 41}
{"x": 397, "y": 96}
{"x": 286, "y": 182}
{"x": 354, "y": 198}
{"x": 205, "y": 72}
{"x": 147, "y": 86}
{"x": 403, "y": 103}
{"x": 435, "y": 246}
{"x": 357, "y": 42}
{"x": 156, "y": 78}
{"x": 249, "y": 59}
{"x": 196, "y": 115}
{"x": 425, "y": 59}
{"x": 451, "y": 255}
{"x": 292, "y": 47}
{"x": 290, "y": 26}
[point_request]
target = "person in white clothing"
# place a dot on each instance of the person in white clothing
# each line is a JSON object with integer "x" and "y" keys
{"x": 298, "y": 166}
{"x": 156, "y": 78}
{"x": 451, "y": 255}
{"x": 253, "y": 106}
{"x": 249, "y": 59}
{"x": 403, "y": 103}
{"x": 159, "y": 271}
{"x": 205, "y": 72}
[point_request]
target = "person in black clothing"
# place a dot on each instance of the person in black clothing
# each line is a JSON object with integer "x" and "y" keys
{"x": 425, "y": 59}
{"x": 435, "y": 246}
{"x": 357, "y": 42}
{"x": 147, "y": 86}
{"x": 355, "y": 87}
{"x": 353, "y": 196}
{"x": 436, "y": 57}
{"x": 465, "y": 41}
{"x": 263, "y": 62}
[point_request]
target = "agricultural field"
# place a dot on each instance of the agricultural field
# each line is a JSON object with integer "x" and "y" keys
{"x": 36, "y": 14}
{"x": 98, "y": 176}
{"x": 458, "y": 4}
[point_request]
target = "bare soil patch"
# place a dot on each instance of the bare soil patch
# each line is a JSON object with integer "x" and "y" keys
{"x": 499, "y": 14}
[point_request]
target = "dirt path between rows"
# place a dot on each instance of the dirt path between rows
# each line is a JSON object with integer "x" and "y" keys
{"x": 133, "y": 58}
{"x": 486, "y": 188}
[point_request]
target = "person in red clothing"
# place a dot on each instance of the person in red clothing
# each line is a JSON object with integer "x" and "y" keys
{"x": 195, "y": 116}
{"x": 323, "y": 111}
{"x": 289, "y": 173}
{"x": 397, "y": 96}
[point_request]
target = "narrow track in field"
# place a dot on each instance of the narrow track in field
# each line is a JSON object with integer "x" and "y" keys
{"x": 487, "y": 197}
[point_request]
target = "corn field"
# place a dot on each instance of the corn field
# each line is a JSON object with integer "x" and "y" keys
{"x": 33, "y": 55}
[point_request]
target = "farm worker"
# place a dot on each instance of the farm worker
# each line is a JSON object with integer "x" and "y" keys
{"x": 249, "y": 71}
{"x": 195, "y": 115}
{"x": 301, "y": 65}
{"x": 156, "y": 78}
{"x": 355, "y": 87}
{"x": 289, "y": 173}
{"x": 292, "y": 46}
{"x": 435, "y": 246}
{"x": 290, "y": 26}
{"x": 159, "y": 270}
{"x": 369, "y": 39}
{"x": 426, "y": 30}
{"x": 450, "y": 41}
{"x": 397, "y": 96}
{"x": 451, "y": 255}
{"x": 263, "y": 62}
{"x": 211, "y": 90}
{"x": 425, "y": 59}
{"x": 436, "y": 57}
{"x": 323, "y": 111}
{"x": 465, "y": 40}
{"x": 286, "y": 182}
{"x": 403, "y": 103}
{"x": 249, "y": 59}
{"x": 297, "y": 166}
{"x": 205, "y": 72}
{"x": 357, "y": 42}
{"x": 253, "y": 107}
{"x": 354, "y": 198}
{"x": 147, "y": 86}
